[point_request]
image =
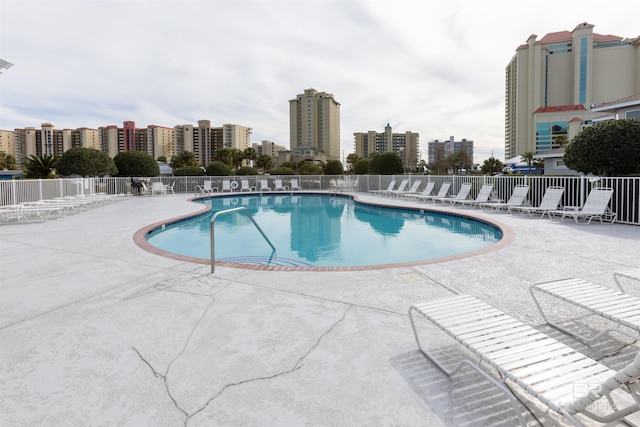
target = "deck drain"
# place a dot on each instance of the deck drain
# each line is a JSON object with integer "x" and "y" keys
{"x": 411, "y": 277}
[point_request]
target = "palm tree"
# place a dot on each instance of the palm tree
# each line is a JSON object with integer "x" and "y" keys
{"x": 538, "y": 163}
{"x": 250, "y": 154}
{"x": 528, "y": 157}
{"x": 8, "y": 162}
{"x": 40, "y": 166}
{"x": 491, "y": 165}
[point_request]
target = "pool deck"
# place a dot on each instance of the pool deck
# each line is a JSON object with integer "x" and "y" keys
{"x": 94, "y": 330}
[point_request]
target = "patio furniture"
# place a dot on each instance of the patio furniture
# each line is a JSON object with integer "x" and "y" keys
{"x": 550, "y": 201}
{"x": 463, "y": 193}
{"x": 482, "y": 197}
{"x": 555, "y": 374}
{"x": 244, "y": 186}
{"x": 226, "y": 186}
{"x": 403, "y": 184}
{"x": 293, "y": 185}
{"x": 391, "y": 186}
{"x": 596, "y": 206}
{"x": 610, "y": 304}
{"x": 517, "y": 198}
{"x": 158, "y": 188}
{"x": 264, "y": 185}
{"x": 145, "y": 190}
{"x": 169, "y": 188}
{"x": 352, "y": 184}
{"x": 412, "y": 190}
{"x": 442, "y": 192}
{"x": 428, "y": 189}
{"x": 627, "y": 274}
{"x": 277, "y": 185}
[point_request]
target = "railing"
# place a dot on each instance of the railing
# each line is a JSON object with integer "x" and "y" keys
{"x": 212, "y": 228}
{"x": 625, "y": 201}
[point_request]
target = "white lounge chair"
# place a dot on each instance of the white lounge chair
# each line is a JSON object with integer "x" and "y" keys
{"x": 428, "y": 189}
{"x": 244, "y": 185}
{"x": 442, "y": 192}
{"x": 391, "y": 186}
{"x": 482, "y": 197}
{"x": 633, "y": 274}
{"x": 264, "y": 185}
{"x": 277, "y": 185}
{"x": 463, "y": 193}
{"x": 610, "y": 304}
{"x": 412, "y": 190}
{"x": 226, "y": 186}
{"x": 403, "y": 184}
{"x": 518, "y": 198}
{"x": 596, "y": 206}
{"x": 550, "y": 201}
{"x": 293, "y": 185}
{"x": 558, "y": 376}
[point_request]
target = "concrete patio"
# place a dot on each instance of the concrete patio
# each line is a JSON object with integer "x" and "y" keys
{"x": 96, "y": 331}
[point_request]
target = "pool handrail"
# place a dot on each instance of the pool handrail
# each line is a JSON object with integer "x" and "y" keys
{"x": 226, "y": 211}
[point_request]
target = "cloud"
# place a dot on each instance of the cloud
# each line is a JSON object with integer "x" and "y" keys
{"x": 432, "y": 68}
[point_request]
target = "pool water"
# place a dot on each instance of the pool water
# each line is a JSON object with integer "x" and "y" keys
{"x": 322, "y": 231}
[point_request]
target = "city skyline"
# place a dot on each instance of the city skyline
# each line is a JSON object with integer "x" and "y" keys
{"x": 433, "y": 70}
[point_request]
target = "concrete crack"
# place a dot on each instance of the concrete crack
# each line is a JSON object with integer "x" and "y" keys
{"x": 180, "y": 353}
{"x": 294, "y": 368}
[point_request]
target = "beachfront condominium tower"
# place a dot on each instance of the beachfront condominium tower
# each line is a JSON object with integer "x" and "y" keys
{"x": 404, "y": 144}
{"x": 314, "y": 124}
{"x": 553, "y": 83}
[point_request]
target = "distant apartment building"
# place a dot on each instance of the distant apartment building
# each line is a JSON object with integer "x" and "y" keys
{"x": 202, "y": 140}
{"x": 314, "y": 126}
{"x": 554, "y": 85}
{"x": 8, "y": 143}
{"x": 404, "y": 144}
{"x": 49, "y": 141}
{"x": 236, "y": 137}
{"x": 439, "y": 150}
{"x": 154, "y": 140}
{"x": 269, "y": 148}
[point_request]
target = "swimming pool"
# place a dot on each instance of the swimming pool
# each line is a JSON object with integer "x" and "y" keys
{"x": 318, "y": 230}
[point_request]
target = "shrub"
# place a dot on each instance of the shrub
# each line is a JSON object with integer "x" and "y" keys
{"x": 85, "y": 162}
{"x": 283, "y": 170}
{"x": 388, "y": 163}
{"x": 246, "y": 170}
{"x": 136, "y": 163}
{"x": 333, "y": 167}
{"x": 218, "y": 169}
{"x": 189, "y": 171}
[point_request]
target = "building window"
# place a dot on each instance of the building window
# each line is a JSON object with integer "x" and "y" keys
{"x": 583, "y": 70}
{"x": 546, "y": 133}
{"x": 559, "y": 164}
{"x": 633, "y": 114}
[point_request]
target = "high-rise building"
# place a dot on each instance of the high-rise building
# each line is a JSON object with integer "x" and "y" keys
{"x": 269, "y": 148}
{"x": 314, "y": 125}
{"x": 553, "y": 83}
{"x": 439, "y": 150}
{"x": 236, "y": 137}
{"x": 8, "y": 143}
{"x": 404, "y": 144}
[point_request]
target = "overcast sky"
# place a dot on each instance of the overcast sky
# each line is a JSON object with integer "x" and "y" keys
{"x": 435, "y": 68}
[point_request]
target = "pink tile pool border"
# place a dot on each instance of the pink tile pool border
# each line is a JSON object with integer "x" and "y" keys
{"x": 508, "y": 236}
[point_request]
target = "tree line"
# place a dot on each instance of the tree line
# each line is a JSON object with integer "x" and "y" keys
{"x": 607, "y": 148}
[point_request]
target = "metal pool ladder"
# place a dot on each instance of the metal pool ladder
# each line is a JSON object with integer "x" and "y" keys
{"x": 211, "y": 226}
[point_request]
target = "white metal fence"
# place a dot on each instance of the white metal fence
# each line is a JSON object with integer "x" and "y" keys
{"x": 625, "y": 202}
